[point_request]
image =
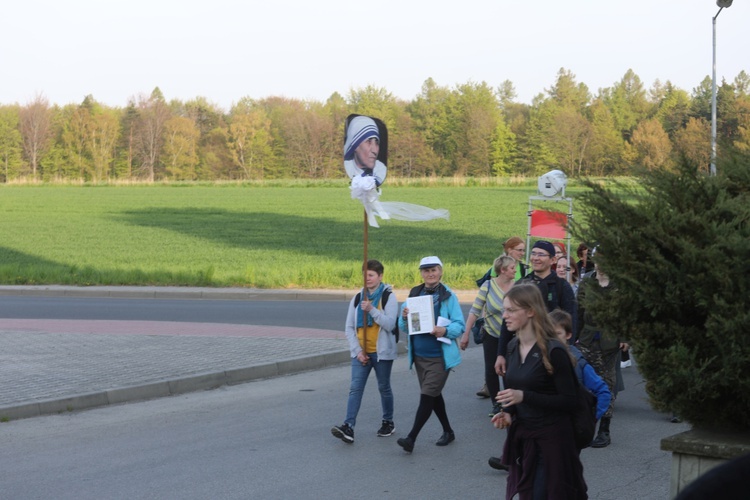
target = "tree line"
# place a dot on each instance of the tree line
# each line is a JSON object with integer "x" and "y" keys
{"x": 470, "y": 129}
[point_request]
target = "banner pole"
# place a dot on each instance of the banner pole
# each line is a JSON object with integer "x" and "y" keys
{"x": 364, "y": 289}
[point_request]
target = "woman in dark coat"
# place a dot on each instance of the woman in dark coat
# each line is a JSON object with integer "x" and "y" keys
{"x": 540, "y": 452}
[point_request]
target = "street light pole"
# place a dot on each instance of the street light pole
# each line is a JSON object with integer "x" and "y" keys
{"x": 721, "y": 4}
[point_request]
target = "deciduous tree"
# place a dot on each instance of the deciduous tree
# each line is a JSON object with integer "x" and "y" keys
{"x": 693, "y": 143}
{"x": 604, "y": 155}
{"x": 475, "y": 118}
{"x": 652, "y": 145}
{"x": 673, "y": 109}
{"x": 103, "y": 136}
{"x": 503, "y": 150}
{"x": 179, "y": 154}
{"x": 76, "y": 125}
{"x": 35, "y": 125}
{"x": 148, "y": 136}
{"x": 10, "y": 143}
{"x": 627, "y": 101}
{"x": 249, "y": 140}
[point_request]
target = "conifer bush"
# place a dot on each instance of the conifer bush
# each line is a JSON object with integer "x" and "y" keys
{"x": 678, "y": 251}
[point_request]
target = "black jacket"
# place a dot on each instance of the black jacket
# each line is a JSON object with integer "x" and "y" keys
{"x": 557, "y": 294}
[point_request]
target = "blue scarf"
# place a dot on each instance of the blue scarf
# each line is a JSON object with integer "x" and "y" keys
{"x": 374, "y": 298}
{"x": 435, "y": 299}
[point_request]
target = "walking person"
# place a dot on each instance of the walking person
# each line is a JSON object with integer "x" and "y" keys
{"x": 586, "y": 374}
{"x": 557, "y": 294}
{"x": 489, "y": 305}
{"x": 600, "y": 347}
{"x": 567, "y": 269}
{"x": 540, "y": 451}
{"x": 371, "y": 317}
{"x": 512, "y": 247}
{"x": 432, "y": 358}
{"x": 585, "y": 264}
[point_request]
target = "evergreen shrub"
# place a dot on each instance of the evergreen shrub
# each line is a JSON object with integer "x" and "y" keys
{"x": 678, "y": 251}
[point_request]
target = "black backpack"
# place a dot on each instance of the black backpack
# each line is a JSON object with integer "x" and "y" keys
{"x": 584, "y": 417}
{"x": 383, "y": 301}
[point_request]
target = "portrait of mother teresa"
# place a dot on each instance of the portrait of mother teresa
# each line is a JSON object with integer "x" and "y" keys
{"x": 362, "y": 152}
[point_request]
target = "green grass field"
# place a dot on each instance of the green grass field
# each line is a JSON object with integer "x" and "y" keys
{"x": 248, "y": 236}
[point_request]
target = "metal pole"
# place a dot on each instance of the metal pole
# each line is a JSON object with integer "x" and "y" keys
{"x": 364, "y": 289}
{"x": 713, "y": 98}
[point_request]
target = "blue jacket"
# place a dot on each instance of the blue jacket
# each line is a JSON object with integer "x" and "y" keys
{"x": 593, "y": 382}
{"x": 450, "y": 309}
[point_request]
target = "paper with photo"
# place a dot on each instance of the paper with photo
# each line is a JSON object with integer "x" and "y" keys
{"x": 421, "y": 318}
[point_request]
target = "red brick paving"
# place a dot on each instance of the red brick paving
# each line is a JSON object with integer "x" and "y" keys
{"x": 175, "y": 328}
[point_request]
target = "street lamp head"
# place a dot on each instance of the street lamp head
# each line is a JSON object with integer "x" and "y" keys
{"x": 724, "y": 3}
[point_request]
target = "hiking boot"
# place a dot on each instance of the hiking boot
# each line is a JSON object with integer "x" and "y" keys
{"x": 386, "y": 429}
{"x": 496, "y": 408}
{"x": 446, "y": 439}
{"x": 343, "y": 432}
{"x": 406, "y": 443}
{"x": 483, "y": 392}
{"x": 601, "y": 440}
{"x": 497, "y": 463}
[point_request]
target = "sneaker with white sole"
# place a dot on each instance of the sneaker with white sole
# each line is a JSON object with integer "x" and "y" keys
{"x": 386, "y": 429}
{"x": 343, "y": 432}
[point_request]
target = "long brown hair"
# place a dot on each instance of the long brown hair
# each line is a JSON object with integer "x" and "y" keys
{"x": 528, "y": 296}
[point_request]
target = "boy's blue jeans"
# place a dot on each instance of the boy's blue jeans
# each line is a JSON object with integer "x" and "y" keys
{"x": 357, "y": 387}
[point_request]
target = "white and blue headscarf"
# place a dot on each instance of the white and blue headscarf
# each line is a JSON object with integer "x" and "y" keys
{"x": 360, "y": 129}
{"x": 366, "y": 182}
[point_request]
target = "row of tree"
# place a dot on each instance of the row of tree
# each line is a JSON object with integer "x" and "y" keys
{"x": 470, "y": 130}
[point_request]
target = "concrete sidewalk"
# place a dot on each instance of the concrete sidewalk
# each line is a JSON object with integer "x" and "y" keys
{"x": 53, "y": 366}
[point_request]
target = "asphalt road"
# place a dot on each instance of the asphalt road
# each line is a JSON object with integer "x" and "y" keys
{"x": 271, "y": 439}
{"x": 327, "y": 315}
{"x": 322, "y": 314}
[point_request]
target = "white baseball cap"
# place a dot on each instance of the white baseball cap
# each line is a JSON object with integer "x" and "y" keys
{"x": 430, "y": 261}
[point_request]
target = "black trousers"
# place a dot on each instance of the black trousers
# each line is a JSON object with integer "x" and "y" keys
{"x": 490, "y": 356}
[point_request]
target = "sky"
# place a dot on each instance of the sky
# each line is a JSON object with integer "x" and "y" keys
{"x": 226, "y": 50}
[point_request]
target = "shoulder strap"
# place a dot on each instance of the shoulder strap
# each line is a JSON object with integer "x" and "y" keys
{"x": 357, "y": 298}
{"x": 558, "y": 297}
{"x": 386, "y": 294}
{"x": 580, "y": 366}
{"x": 559, "y": 291}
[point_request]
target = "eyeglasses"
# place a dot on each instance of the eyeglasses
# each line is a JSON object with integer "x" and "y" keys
{"x": 539, "y": 254}
{"x": 513, "y": 310}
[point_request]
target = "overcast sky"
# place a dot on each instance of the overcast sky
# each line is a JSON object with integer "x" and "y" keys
{"x": 228, "y": 49}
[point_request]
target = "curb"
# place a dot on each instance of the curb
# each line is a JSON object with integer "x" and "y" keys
{"x": 192, "y": 383}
